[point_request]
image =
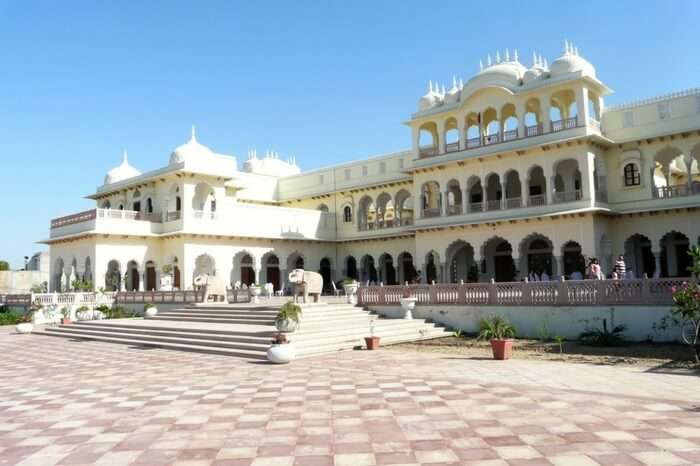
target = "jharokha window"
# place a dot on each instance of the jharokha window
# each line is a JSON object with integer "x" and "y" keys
{"x": 347, "y": 214}
{"x": 632, "y": 177}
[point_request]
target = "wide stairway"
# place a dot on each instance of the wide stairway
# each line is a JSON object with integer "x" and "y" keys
{"x": 246, "y": 330}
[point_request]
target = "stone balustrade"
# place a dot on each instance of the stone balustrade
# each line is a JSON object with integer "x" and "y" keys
{"x": 553, "y": 293}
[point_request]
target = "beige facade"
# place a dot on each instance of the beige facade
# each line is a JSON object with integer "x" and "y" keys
{"x": 519, "y": 171}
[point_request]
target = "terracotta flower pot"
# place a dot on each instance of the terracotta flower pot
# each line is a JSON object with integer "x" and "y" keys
{"x": 65, "y": 320}
{"x": 372, "y": 343}
{"x": 502, "y": 349}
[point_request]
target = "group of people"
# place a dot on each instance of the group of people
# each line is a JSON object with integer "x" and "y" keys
{"x": 595, "y": 272}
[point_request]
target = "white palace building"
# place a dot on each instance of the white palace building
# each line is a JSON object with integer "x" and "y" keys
{"x": 515, "y": 171}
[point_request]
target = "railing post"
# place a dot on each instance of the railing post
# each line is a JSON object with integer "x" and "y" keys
{"x": 646, "y": 291}
{"x": 432, "y": 292}
{"x": 493, "y": 291}
{"x": 562, "y": 295}
{"x": 527, "y": 291}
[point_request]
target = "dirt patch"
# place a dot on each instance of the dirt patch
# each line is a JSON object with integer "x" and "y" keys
{"x": 641, "y": 354}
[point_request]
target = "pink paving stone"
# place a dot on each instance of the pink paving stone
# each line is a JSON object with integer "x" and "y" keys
{"x": 388, "y": 407}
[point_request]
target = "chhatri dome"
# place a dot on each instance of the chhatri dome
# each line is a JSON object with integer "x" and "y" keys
{"x": 189, "y": 151}
{"x": 431, "y": 99}
{"x": 122, "y": 172}
{"x": 509, "y": 70}
{"x": 571, "y": 62}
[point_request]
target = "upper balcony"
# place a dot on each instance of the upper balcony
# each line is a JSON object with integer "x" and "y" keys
{"x": 496, "y": 140}
{"x": 256, "y": 221}
{"x": 125, "y": 222}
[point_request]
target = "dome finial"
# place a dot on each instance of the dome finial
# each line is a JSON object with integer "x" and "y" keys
{"x": 430, "y": 86}
{"x": 193, "y": 137}
{"x": 488, "y": 60}
{"x": 454, "y": 81}
{"x": 481, "y": 65}
{"x": 507, "y": 54}
{"x": 125, "y": 158}
{"x": 534, "y": 59}
{"x": 515, "y": 56}
{"x": 498, "y": 56}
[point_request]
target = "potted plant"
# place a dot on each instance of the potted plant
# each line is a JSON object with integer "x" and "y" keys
{"x": 150, "y": 310}
{"x": 371, "y": 341}
{"x": 408, "y": 303}
{"x": 500, "y": 332}
{"x": 282, "y": 351}
{"x": 350, "y": 287}
{"x": 83, "y": 313}
{"x": 288, "y": 317}
{"x": 255, "y": 290}
{"x": 65, "y": 312}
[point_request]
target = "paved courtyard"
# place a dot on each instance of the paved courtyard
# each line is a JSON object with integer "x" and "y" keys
{"x": 82, "y": 403}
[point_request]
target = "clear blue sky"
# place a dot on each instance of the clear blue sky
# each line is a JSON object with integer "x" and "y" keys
{"x": 326, "y": 81}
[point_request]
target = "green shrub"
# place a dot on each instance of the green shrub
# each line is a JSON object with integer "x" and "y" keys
{"x": 495, "y": 328}
{"x": 8, "y": 318}
{"x": 289, "y": 311}
{"x": 604, "y": 337}
{"x": 147, "y": 306}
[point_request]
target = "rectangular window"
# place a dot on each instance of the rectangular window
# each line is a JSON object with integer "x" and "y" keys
{"x": 664, "y": 109}
{"x": 627, "y": 120}
{"x": 347, "y": 173}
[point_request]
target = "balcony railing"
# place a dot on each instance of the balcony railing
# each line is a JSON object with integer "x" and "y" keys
{"x": 476, "y": 207}
{"x": 386, "y": 224}
{"x": 567, "y": 123}
{"x": 172, "y": 216}
{"x": 514, "y": 202}
{"x": 494, "y": 204}
{"x": 454, "y": 210}
{"x": 507, "y": 136}
{"x": 204, "y": 215}
{"x": 681, "y": 190}
{"x": 568, "y": 196}
{"x": 537, "y": 200}
{"x": 431, "y": 212}
{"x": 534, "y": 130}
{"x": 114, "y": 214}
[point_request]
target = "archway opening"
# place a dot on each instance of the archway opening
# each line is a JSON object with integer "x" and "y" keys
{"x": 387, "y": 270}
{"x": 675, "y": 259}
{"x": 639, "y": 257}
{"x": 151, "y": 276}
{"x": 272, "y": 271}
{"x": 325, "y": 271}
{"x": 113, "y": 277}
{"x": 574, "y": 262}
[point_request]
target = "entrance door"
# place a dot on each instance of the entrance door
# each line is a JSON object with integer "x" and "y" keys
{"x": 504, "y": 268}
{"x": 176, "y": 277}
{"x": 247, "y": 275}
{"x": 150, "y": 278}
{"x": 273, "y": 276}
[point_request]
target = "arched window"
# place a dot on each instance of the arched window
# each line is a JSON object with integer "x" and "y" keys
{"x": 149, "y": 205}
{"x": 632, "y": 177}
{"x": 347, "y": 214}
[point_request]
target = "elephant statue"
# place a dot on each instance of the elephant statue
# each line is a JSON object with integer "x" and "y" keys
{"x": 305, "y": 284}
{"x": 214, "y": 287}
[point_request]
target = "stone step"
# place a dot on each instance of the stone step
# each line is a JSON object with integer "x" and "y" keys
{"x": 247, "y": 354}
{"x": 150, "y": 338}
{"x": 304, "y": 350}
{"x": 153, "y": 325}
{"x": 248, "y": 338}
{"x": 210, "y": 320}
{"x": 203, "y": 315}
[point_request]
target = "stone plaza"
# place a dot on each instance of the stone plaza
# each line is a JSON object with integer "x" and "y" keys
{"x": 62, "y": 405}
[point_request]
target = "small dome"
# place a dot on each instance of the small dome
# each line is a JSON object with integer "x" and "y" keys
{"x": 122, "y": 172}
{"x": 511, "y": 69}
{"x": 571, "y": 62}
{"x": 452, "y": 95}
{"x": 432, "y": 99}
{"x": 539, "y": 68}
{"x": 190, "y": 150}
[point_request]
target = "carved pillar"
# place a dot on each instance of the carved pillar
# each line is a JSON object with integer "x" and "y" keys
{"x": 582, "y": 106}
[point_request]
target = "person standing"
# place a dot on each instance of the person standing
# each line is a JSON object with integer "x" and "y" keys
{"x": 620, "y": 267}
{"x": 595, "y": 272}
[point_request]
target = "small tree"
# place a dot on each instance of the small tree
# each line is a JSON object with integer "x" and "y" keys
{"x": 687, "y": 304}
{"x": 4, "y": 265}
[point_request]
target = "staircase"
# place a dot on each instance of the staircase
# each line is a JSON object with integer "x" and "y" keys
{"x": 246, "y": 331}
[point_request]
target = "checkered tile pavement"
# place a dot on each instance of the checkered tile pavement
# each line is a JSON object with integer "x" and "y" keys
{"x": 65, "y": 402}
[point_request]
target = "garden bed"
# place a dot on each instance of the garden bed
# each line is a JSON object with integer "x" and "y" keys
{"x": 641, "y": 354}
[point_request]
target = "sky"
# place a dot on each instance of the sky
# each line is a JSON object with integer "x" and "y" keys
{"x": 326, "y": 81}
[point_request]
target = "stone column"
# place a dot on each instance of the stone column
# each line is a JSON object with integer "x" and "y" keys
{"x": 164, "y": 213}
{"x": 546, "y": 122}
{"x": 446, "y": 203}
{"x": 465, "y": 201}
{"x": 441, "y": 137}
{"x": 415, "y": 146}
{"x": 462, "y": 134}
{"x": 443, "y": 203}
{"x": 503, "y": 193}
{"x": 657, "y": 262}
{"x": 582, "y": 106}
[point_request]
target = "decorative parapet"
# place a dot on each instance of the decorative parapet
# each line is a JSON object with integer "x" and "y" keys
{"x": 653, "y": 100}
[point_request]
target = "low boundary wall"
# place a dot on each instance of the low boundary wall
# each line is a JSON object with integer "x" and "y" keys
{"x": 642, "y": 322}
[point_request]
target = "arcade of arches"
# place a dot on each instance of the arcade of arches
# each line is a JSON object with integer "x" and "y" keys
{"x": 497, "y": 259}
